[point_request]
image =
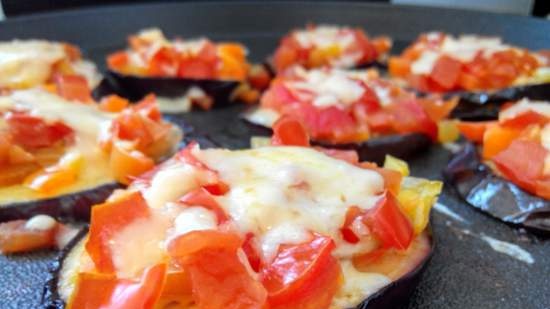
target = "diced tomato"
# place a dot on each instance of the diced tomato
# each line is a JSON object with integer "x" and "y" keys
{"x": 347, "y": 232}
{"x": 382, "y": 44}
{"x": 252, "y": 251}
{"x": 15, "y": 237}
{"x": 108, "y": 219}
{"x": 409, "y": 117}
{"x": 285, "y": 56}
{"x": 73, "y": 88}
{"x": 496, "y": 139}
{"x": 524, "y": 119}
{"x": 522, "y": 162}
{"x": 303, "y": 276}
{"x": 259, "y": 77}
{"x": 164, "y": 62}
{"x": 218, "y": 277}
{"x": 113, "y": 103}
{"x": 106, "y": 291}
{"x": 148, "y": 107}
{"x": 117, "y": 60}
{"x": 196, "y": 69}
{"x": 446, "y": 72}
{"x": 289, "y": 131}
{"x": 72, "y": 51}
{"x": 438, "y": 109}
{"x": 201, "y": 197}
{"x": 474, "y": 131}
{"x": 399, "y": 66}
{"x": 33, "y": 132}
{"x": 177, "y": 290}
{"x": 389, "y": 224}
{"x": 542, "y": 188}
{"x": 128, "y": 164}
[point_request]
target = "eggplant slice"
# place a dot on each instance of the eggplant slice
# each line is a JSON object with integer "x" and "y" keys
{"x": 392, "y": 295}
{"x": 476, "y": 183}
{"x": 72, "y": 206}
{"x": 402, "y": 146}
{"x": 486, "y": 105}
{"x": 136, "y": 87}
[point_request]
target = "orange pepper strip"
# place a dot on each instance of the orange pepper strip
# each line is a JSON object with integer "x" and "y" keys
{"x": 496, "y": 139}
{"x": 474, "y": 130}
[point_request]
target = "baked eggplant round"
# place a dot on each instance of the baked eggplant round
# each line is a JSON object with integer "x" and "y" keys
{"x": 224, "y": 227}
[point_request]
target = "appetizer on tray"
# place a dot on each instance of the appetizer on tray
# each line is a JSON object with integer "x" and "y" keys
{"x": 328, "y": 45}
{"x": 481, "y": 70}
{"x": 354, "y": 110}
{"x": 31, "y": 63}
{"x": 509, "y": 177}
{"x": 180, "y": 72}
{"x": 59, "y": 156}
{"x": 273, "y": 227}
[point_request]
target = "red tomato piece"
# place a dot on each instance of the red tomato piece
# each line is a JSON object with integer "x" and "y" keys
{"x": 349, "y": 156}
{"x": 109, "y": 218}
{"x": 446, "y": 72}
{"x": 164, "y": 62}
{"x": 474, "y": 131}
{"x": 201, "y": 197}
{"x": 409, "y": 117}
{"x": 252, "y": 251}
{"x": 347, "y": 232}
{"x": 303, "y": 276}
{"x": 33, "y": 132}
{"x": 525, "y": 119}
{"x": 105, "y": 291}
{"x": 73, "y": 88}
{"x": 389, "y": 224}
{"x": 15, "y": 237}
{"x": 522, "y": 162}
{"x": 196, "y": 69}
{"x": 289, "y": 131}
{"x": 218, "y": 277}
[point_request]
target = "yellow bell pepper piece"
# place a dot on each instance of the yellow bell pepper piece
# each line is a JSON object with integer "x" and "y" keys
{"x": 398, "y": 165}
{"x": 416, "y": 197}
{"x": 447, "y": 131}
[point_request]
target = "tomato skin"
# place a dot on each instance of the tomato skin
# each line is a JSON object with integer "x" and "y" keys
{"x": 105, "y": 291}
{"x": 289, "y": 131}
{"x": 303, "y": 276}
{"x": 33, "y": 132}
{"x": 522, "y": 162}
{"x": 218, "y": 277}
{"x": 524, "y": 119}
{"x": 389, "y": 224}
{"x": 73, "y": 88}
{"x": 202, "y": 197}
{"x": 474, "y": 130}
{"x": 128, "y": 164}
{"x": 106, "y": 220}
{"x": 409, "y": 117}
{"x": 446, "y": 72}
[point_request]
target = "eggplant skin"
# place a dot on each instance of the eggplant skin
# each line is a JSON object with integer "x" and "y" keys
{"x": 71, "y": 206}
{"x": 486, "y": 105}
{"x": 136, "y": 87}
{"x": 393, "y": 295}
{"x": 50, "y": 296}
{"x": 476, "y": 183}
{"x": 398, "y": 292}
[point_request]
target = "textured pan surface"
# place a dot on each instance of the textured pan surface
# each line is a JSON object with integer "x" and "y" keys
{"x": 464, "y": 271}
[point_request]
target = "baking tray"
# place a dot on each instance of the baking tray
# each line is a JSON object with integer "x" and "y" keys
{"x": 465, "y": 271}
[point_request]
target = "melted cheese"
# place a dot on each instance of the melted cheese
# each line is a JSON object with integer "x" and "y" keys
{"x": 40, "y": 223}
{"x": 525, "y": 105}
{"x": 463, "y": 48}
{"x": 274, "y": 186}
{"x": 328, "y": 88}
{"x": 324, "y": 36}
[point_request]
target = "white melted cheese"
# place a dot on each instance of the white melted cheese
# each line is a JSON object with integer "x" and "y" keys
{"x": 328, "y": 88}
{"x": 194, "y": 218}
{"x": 277, "y": 186}
{"x": 463, "y": 48}
{"x": 541, "y": 107}
{"x": 263, "y": 116}
{"x": 27, "y": 63}
{"x": 289, "y": 233}
{"x": 40, "y": 223}
{"x": 324, "y": 36}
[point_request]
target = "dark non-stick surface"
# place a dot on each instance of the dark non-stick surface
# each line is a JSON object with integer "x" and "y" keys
{"x": 464, "y": 272}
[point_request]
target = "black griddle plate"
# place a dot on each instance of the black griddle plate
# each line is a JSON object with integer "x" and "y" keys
{"x": 464, "y": 272}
